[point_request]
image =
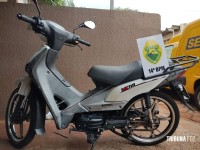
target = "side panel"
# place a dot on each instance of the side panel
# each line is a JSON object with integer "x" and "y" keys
{"x": 55, "y": 89}
{"x": 115, "y": 98}
{"x": 97, "y": 102}
{"x": 127, "y": 91}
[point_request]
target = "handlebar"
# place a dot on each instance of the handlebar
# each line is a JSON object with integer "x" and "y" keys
{"x": 83, "y": 42}
{"x": 26, "y": 19}
{"x": 49, "y": 29}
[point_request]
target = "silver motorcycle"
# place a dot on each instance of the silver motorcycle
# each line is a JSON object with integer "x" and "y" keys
{"x": 124, "y": 101}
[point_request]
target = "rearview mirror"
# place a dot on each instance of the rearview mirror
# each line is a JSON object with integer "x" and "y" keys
{"x": 88, "y": 24}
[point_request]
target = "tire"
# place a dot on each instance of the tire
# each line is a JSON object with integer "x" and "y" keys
{"x": 21, "y": 118}
{"x": 197, "y": 97}
{"x": 172, "y": 119}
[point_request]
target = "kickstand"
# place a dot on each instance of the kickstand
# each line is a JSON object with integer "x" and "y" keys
{"x": 92, "y": 145}
{"x": 94, "y": 139}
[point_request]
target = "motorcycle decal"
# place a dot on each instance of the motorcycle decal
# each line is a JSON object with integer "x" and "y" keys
{"x": 152, "y": 51}
{"x": 126, "y": 88}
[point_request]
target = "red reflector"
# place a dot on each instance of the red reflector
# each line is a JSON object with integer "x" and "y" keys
{"x": 181, "y": 74}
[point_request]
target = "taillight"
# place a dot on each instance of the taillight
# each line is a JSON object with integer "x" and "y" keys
{"x": 182, "y": 73}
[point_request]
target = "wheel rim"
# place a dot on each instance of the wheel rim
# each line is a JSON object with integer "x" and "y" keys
{"x": 18, "y": 117}
{"x": 164, "y": 120}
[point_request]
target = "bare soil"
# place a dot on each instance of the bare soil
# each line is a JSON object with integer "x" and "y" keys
{"x": 189, "y": 126}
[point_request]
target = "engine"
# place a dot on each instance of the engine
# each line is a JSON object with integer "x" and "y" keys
{"x": 91, "y": 122}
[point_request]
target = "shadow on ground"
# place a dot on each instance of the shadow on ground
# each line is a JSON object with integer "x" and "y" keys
{"x": 189, "y": 126}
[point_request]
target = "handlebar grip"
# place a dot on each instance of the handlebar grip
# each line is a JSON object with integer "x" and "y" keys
{"x": 26, "y": 19}
{"x": 83, "y": 42}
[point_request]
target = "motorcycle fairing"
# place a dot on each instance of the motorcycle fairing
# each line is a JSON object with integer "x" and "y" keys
{"x": 63, "y": 100}
{"x": 55, "y": 90}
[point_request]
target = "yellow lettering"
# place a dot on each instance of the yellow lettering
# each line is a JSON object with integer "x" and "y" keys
{"x": 197, "y": 42}
{"x": 190, "y": 43}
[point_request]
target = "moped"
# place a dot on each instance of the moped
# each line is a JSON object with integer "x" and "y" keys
{"x": 124, "y": 101}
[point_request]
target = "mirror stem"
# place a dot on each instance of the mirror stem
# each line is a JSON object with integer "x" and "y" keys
{"x": 75, "y": 29}
{"x": 38, "y": 9}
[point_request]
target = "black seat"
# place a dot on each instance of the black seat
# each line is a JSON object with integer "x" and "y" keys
{"x": 115, "y": 75}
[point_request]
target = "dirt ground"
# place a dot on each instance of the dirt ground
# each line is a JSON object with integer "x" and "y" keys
{"x": 189, "y": 126}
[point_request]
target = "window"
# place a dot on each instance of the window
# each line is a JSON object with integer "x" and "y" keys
{"x": 168, "y": 50}
{"x": 23, "y": 1}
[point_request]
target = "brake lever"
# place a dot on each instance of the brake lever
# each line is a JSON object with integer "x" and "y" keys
{"x": 79, "y": 46}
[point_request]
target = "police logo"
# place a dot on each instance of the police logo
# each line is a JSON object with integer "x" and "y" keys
{"x": 152, "y": 51}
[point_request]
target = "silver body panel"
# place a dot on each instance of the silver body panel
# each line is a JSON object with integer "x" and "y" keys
{"x": 140, "y": 86}
{"x": 52, "y": 84}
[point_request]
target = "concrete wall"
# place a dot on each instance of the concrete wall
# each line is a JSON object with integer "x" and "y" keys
{"x": 113, "y": 42}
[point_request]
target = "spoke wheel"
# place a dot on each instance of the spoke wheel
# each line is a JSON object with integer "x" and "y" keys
{"x": 19, "y": 120}
{"x": 141, "y": 130}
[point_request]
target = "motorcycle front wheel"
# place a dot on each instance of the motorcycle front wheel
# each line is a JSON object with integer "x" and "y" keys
{"x": 165, "y": 115}
{"x": 19, "y": 124}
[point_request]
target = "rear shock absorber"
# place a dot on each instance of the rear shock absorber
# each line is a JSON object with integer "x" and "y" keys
{"x": 147, "y": 100}
{"x": 148, "y": 105}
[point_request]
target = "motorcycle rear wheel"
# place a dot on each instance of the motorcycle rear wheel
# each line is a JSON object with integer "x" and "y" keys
{"x": 165, "y": 120}
{"x": 19, "y": 122}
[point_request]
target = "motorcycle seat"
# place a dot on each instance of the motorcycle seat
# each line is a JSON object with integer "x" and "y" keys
{"x": 115, "y": 75}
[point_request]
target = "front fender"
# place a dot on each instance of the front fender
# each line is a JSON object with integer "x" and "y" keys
{"x": 38, "y": 105}
{"x": 38, "y": 110}
{"x": 24, "y": 86}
